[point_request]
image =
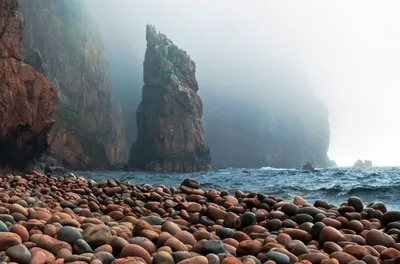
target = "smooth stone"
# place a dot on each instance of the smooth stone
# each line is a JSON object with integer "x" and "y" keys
{"x": 377, "y": 237}
{"x": 310, "y": 211}
{"x": 186, "y": 237}
{"x": 214, "y": 246}
{"x": 231, "y": 260}
{"x": 192, "y": 183}
{"x": 316, "y": 229}
{"x": 343, "y": 257}
{"x": 356, "y": 203}
{"x": 195, "y": 260}
{"x": 170, "y": 227}
{"x": 357, "y": 262}
{"x": 81, "y": 246}
{"x": 298, "y": 248}
{"x": 163, "y": 257}
{"x": 379, "y": 206}
{"x": 8, "y": 239}
{"x": 357, "y": 251}
{"x": 117, "y": 243}
{"x": 306, "y": 226}
{"x": 330, "y": 247}
{"x": 355, "y": 225}
{"x": 231, "y": 220}
{"x": 51, "y": 244}
{"x": 298, "y": 234}
{"x": 224, "y": 232}
{"x": 135, "y": 251}
{"x": 96, "y": 235}
{"x": 270, "y": 202}
{"x": 17, "y": 208}
{"x": 40, "y": 258}
{"x": 391, "y": 216}
{"x": 284, "y": 239}
{"x": 180, "y": 255}
{"x": 3, "y": 227}
{"x": 248, "y": 219}
{"x": 21, "y": 231}
{"x": 77, "y": 258}
{"x": 329, "y": 233}
{"x": 314, "y": 258}
{"x": 215, "y": 213}
{"x": 370, "y": 260}
{"x": 253, "y": 258}
{"x": 175, "y": 244}
{"x": 277, "y": 257}
{"x": 393, "y": 225}
{"x": 274, "y": 224}
{"x": 104, "y": 257}
{"x": 144, "y": 243}
{"x": 152, "y": 220}
{"x": 63, "y": 253}
{"x": 40, "y": 255}
{"x": 289, "y": 209}
{"x": 302, "y": 218}
{"x": 389, "y": 253}
{"x": 104, "y": 248}
{"x": 19, "y": 254}
{"x": 69, "y": 234}
{"x": 213, "y": 259}
{"x": 249, "y": 247}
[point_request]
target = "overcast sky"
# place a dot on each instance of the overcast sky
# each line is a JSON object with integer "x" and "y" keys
{"x": 349, "y": 51}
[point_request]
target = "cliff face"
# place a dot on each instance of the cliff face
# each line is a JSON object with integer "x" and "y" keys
{"x": 170, "y": 136}
{"x": 27, "y": 98}
{"x": 281, "y": 128}
{"x": 63, "y": 42}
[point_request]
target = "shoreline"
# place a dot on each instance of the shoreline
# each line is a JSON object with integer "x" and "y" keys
{"x": 74, "y": 220}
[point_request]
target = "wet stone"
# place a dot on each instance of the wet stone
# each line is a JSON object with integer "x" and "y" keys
{"x": 277, "y": 257}
{"x": 81, "y": 246}
{"x": 214, "y": 246}
{"x": 69, "y": 234}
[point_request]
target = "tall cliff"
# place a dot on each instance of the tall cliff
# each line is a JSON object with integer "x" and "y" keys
{"x": 63, "y": 42}
{"x": 170, "y": 135}
{"x": 27, "y": 98}
{"x": 284, "y": 125}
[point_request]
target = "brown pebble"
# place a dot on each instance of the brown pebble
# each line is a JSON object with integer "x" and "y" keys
{"x": 343, "y": 257}
{"x": 135, "y": 251}
{"x": 9, "y": 239}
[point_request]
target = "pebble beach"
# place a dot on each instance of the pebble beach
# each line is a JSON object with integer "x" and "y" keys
{"x": 47, "y": 219}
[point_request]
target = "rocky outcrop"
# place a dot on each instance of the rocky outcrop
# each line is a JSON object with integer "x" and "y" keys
{"x": 308, "y": 166}
{"x": 170, "y": 136}
{"x": 27, "y": 98}
{"x": 63, "y": 42}
{"x": 368, "y": 163}
{"x": 360, "y": 164}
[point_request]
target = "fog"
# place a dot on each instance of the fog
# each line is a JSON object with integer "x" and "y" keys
{"x": 348, "y": 51}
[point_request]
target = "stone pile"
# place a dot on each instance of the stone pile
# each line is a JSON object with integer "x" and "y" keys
{"x": 45, "y": 219}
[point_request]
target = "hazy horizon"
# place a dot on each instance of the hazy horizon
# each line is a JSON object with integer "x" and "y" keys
{"x": 346, "y": 50}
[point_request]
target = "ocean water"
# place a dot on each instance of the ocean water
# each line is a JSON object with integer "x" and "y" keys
{"x": 334, "y": 185}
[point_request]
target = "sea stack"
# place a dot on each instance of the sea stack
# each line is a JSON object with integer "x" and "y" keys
{"x": 27, "y": 98}
{"x": 170, "y": 134}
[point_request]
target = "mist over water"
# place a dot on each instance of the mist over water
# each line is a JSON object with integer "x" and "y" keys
{"x": 347, "y": 52}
